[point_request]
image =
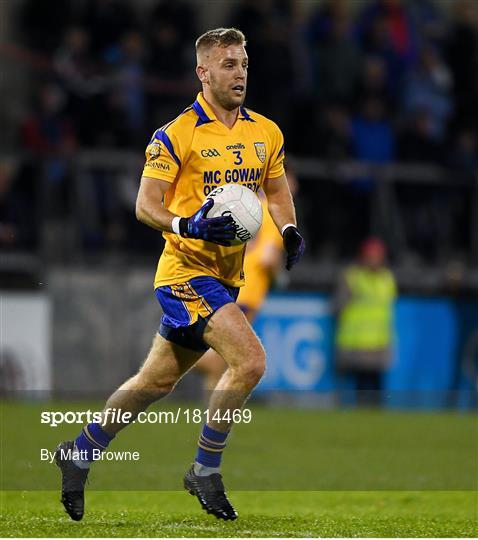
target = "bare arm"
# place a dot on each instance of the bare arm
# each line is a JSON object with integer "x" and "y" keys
{"x": 149, "y": 204}
{"x": 282, "y": 211}
{"x": 151, "y": 211}
{"x": 279, "y": 201}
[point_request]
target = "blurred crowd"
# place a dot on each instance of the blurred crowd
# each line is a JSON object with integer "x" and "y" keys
{"x": 384, "y": 81}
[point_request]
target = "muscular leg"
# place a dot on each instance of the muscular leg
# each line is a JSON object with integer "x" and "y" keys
{"x": 165, "y": 364}
{"x": 232, "y": 337}
{"x": 212, "y": 364}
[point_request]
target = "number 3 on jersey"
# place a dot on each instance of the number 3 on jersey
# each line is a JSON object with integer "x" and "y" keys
{"x": 238, "y": 159}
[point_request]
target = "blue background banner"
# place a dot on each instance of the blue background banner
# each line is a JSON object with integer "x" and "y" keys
{"x": 435, "y": 354}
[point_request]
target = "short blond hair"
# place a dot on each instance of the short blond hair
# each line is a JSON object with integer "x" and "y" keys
{"x": 220, "y": 37}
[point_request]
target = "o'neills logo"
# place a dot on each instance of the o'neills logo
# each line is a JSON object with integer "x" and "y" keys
{"x": 237, "y": 146}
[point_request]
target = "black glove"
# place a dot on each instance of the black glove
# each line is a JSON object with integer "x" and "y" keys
{"x": 217, "y": 230}
{"x": 294, "y": 245}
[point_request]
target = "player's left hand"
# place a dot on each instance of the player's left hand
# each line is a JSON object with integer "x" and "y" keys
{"x": 294, "y": 245}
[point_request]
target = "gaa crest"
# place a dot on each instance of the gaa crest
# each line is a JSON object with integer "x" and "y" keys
{"x": 260, "y": 151}
{"x": 154, "y": 150}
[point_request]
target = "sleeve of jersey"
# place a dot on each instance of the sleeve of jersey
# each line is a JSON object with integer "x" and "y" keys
{"x": 276, "y": 163}
{"x": 162, "y": 156}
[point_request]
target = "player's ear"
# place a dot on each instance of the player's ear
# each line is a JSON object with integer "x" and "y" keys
{"x": 201, "y": 72}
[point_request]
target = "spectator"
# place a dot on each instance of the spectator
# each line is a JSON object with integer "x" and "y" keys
{"x": 129, "y": 89}
{"x": 337, "y": 63}
{"x": 364, "y": 302}
{"x": 373, "y": 82}
{"x": 82, "y": 81}
{"x": 73, "y": 61}
{"x": 49, "y": 135}
{"x": 429, "y": 88}
{"x": 385, "y": 29}
{"x": 373, "y": 139}
{"x": 321, "y": 21}
{"x": 47, "y": 131}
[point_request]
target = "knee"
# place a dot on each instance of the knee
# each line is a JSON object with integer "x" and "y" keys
{"x": 154, "y": 388}
{"x": 253, "y": 367}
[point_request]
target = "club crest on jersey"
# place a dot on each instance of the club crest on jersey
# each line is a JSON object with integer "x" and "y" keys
{"x": 154, "y": 150}
{"x": 260, "y": 151}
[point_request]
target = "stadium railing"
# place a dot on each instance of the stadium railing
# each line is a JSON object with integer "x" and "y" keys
{"x": 120, "y": 171}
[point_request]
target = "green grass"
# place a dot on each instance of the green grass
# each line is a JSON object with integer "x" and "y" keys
{"x": 290, "y": 472}
{"x": 269, "y": 514}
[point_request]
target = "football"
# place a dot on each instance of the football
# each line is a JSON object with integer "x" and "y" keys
{"x": 243, "y": 205}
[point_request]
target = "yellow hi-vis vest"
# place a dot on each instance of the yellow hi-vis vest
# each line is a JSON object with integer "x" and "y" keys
{"x": 365, "y": 323}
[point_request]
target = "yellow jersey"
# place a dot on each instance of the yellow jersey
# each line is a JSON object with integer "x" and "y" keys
{"x": 195, "y": 153}
{"x": 258, "y": 278}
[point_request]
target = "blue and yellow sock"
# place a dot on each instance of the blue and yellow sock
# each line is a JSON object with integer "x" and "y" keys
{"x": 210, "y": 446}
{"x": 92, "y": 437}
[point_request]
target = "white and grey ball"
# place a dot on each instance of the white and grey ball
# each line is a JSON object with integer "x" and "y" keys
{"x": 243, "y": 205}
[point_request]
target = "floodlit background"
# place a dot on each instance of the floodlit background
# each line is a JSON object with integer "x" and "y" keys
{"x": 378, "y": 101}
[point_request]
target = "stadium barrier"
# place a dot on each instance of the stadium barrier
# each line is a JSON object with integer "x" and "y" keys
{"x": 102, "y": 321}
{"x": 434, "y": 364}
{"x": 63, "y": 240}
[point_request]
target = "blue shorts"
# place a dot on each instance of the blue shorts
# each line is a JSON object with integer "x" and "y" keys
{"x": 187, "y": 308}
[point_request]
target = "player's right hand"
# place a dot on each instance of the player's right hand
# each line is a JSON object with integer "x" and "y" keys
{"x": 218, "y": 230}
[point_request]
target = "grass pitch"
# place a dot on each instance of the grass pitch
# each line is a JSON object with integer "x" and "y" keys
{"x": 290, "y": 472}
{"x": 269, "y": 514}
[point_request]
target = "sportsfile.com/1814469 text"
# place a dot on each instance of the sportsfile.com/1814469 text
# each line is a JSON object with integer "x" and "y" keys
{"x": 113, "y": 415}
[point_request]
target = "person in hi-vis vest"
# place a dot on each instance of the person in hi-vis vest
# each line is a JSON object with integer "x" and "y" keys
{"x": 364, "y": 303}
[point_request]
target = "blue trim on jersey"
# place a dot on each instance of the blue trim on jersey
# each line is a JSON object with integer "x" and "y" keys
{"x": 281, "y": 151}
{"x": 246, "y": 115}
{"x": 203, "y": 117}
{"x": 163, "y": 137}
